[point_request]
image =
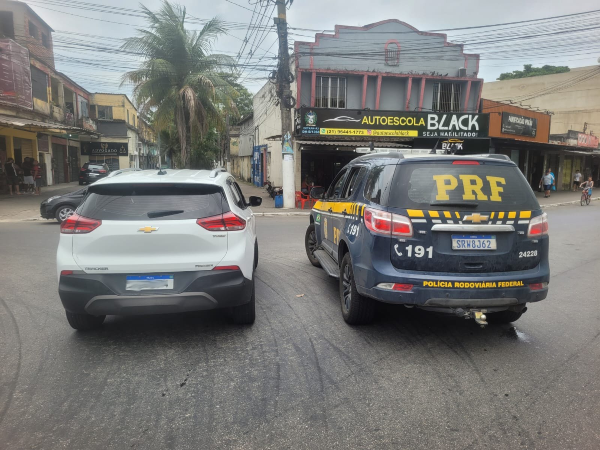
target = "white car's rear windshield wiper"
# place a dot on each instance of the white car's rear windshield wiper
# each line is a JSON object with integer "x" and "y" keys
{"x": 154, "y": 214}
{"x": 467, "y": 204}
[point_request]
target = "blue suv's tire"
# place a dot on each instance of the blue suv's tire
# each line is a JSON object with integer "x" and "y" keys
{"x": 310, "y": 244}
{"x": 356, "y": 309}
{"x": 84, "y": 322}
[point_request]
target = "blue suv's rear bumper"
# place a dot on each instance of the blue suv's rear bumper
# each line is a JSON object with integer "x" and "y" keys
{"x": 457, "y": 290}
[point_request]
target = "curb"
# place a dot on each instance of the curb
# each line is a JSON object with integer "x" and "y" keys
{"x": 574, "y": 202}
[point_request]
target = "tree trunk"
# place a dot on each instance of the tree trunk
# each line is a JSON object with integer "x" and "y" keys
{"x": 188, "y": 146}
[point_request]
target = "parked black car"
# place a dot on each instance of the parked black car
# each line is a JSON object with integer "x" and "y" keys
{"x": 91, "y": 172}
{"x": 61, "y": 207}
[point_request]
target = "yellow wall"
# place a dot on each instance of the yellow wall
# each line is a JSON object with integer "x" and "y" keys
{"x": 120, "y": 105}
{"x": 10, "y": 133}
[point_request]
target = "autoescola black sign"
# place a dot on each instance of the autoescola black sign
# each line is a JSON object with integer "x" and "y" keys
{"x": 340, "y": 122}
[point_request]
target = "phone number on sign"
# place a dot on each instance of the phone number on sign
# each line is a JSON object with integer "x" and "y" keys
{"x": 348, "y": 131}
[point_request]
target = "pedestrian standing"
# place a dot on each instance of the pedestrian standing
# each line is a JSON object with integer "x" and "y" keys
{"x": 577, "y": 180}
{"x": 37, "y": 177}
{"x": 547, "y": 181}
{"x": 12, "y": 176}
{"x": 27, "y": 176}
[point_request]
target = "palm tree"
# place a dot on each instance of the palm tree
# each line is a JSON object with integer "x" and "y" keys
{"x": 180, "y": 80}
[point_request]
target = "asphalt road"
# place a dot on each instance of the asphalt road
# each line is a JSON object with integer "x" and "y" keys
{"x": 300, "y": 377}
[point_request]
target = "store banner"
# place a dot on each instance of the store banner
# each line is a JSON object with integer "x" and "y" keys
{"x": 104, "y": 149}
{"x": 516, "y": 124}
{"x": 454, "y": 145}
{"x": 344, "y": 122}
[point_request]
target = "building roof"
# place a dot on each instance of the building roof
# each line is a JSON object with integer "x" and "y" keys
{"x": 33, "y": 13}
{"x": 35, "y": 125}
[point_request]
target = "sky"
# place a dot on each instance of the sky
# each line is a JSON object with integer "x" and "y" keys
{"x": 85, "y": 46}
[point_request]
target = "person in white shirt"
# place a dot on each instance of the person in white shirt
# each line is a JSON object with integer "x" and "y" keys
{"x": 577, "y": 180}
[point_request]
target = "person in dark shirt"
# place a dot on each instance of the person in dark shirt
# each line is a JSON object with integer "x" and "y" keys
{"x": 27, "y": 174}
{"x": 12, "y": 175}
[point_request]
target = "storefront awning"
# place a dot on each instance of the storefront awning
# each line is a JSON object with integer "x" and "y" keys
{"x": 579, "y": 152}
{"x": 35, "y": 126}
{"x": 353, "y": 143}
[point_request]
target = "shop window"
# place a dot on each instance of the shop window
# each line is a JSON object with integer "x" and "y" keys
{"x": 446, "y": 97}
{"x": 392, "y": 54}
{"x": 105, "y": 112}
{"x": 83, "y": 108}
{"x": 39, "y": 84}
{"x": 33, "y": 30}
{"x": 45, "y": 40}
{"x": 330, "y": 92}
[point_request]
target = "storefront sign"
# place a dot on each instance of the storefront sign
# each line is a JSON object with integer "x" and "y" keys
{"x": 104, "y": 149}
{"x": 516, "y": 124}
{"x": 582, "y": 139}
{"x": 454, "y": 145}
{"x": 342, "y": 122}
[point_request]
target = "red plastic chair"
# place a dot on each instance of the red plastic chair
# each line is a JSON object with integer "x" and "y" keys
{"x": 302, "y": 199}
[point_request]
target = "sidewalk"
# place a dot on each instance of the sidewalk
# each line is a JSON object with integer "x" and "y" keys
{"x": 268, "y": 204}
{"x": 27, "y": 206}
{"x": 560, "y": 198}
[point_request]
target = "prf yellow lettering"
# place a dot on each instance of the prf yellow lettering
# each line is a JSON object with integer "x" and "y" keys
{"x": 336, "y": 235}
{"x": 444, "y": 183}
{"x": 472, "y": 184}
{"x": 494, "y": 181}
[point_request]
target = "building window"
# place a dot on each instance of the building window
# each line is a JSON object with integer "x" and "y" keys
{"x": 446, "y": 97}
{"x": 331, "y": 92}
{"x": 39, "y": 84}
{"x": 133, "y": 121}
{"x": 7, "y": 27}
{"x": 33, "y": 30}
{"x": 392, "y": 54}
{"x": 83, "y": 108}
{"x": 45, "y": 40}
{"x": 128, "y": 117}
{"x": 105, "y": 112}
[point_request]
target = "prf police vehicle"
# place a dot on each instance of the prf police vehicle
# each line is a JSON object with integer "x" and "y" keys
{"x": 447, "y": 233}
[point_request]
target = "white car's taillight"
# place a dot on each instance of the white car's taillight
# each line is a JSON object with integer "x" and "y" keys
{"x": 223, "y": 222}
{"x": 538, "y": 226}
{"x": 387, "y": 224}
{"x": 77, "y": 224}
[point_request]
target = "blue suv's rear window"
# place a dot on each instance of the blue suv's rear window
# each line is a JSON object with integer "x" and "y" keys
{"x": 484, "y": 186}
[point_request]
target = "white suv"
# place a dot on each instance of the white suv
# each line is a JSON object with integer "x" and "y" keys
{"x": 154, "y": 242}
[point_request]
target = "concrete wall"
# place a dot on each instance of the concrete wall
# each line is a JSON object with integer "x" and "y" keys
{"x": 393, "y": 93}
{"x": 573, "y": 102}
{"x": 371, "y": 92}
{"x": 354, "y": 92}
{"x": 306, "y": 88}
{"x": 420, "y": 53}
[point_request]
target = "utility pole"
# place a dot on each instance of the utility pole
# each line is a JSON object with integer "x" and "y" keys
{"x": 228, "y": 147}
{"x": 286, "y": 103}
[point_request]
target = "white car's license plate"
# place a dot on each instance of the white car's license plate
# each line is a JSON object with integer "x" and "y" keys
{"x": 473, "y": 242}
{"x": 148, "y": 282}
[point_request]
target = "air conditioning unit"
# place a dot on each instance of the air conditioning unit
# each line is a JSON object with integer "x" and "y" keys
{"x": 462, "y": 72}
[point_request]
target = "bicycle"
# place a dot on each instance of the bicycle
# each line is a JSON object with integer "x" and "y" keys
{"x": 585, "y": 196}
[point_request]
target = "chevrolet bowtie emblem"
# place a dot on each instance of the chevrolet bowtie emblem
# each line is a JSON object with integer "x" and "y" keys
{"x": 148, "y": 229}
{"x": 476, "y": 218}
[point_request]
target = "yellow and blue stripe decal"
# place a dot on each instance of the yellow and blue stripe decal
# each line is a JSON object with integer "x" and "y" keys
{"x": 354, "y": 210}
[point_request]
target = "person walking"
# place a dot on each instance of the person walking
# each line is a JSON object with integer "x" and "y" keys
{"x": 37, "y": 177}
{"x": 12, "y": 175}
{"x": 27, "y": 176}
{"x": 547, "y": 182}
{"x": 577, "y": 180}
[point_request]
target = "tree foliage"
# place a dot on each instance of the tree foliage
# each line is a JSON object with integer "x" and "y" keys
{"x": 180, "y": 80}
{"x": 530, "y": 71}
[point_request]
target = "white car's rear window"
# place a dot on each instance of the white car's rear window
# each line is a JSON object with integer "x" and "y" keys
{"x": 159, "y": 201}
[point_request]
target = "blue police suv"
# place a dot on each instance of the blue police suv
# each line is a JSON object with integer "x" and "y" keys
{"x": 446, "y": 233}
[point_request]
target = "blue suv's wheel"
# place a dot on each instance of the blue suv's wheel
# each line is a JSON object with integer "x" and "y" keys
{"x": 356, "y": 309}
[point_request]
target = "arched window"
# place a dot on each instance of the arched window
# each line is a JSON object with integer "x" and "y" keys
{"x": 392, "y": 53}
